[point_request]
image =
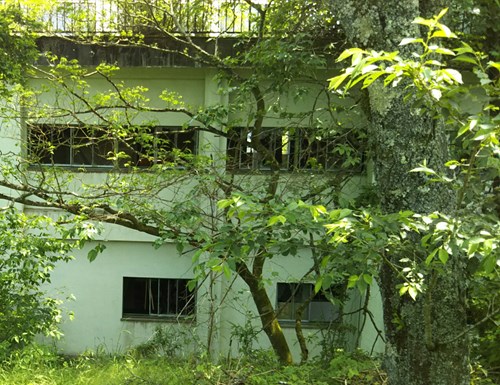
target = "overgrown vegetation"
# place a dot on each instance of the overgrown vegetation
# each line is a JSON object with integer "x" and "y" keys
{"x": 37, "y": 365}
{"x": 40, "y": 366}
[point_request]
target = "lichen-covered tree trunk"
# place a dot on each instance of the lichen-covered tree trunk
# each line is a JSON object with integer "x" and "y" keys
{"x": 268, "y": 318}
{"x": 426, "y": 343}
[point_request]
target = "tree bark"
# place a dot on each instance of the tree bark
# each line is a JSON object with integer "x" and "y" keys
{"x": 420, "y": 348}
{"x": 268, "y": 318}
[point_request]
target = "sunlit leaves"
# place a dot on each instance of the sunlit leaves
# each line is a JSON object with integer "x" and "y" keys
{"x": 30, "y": 248}
{"x": 17, "y": 49}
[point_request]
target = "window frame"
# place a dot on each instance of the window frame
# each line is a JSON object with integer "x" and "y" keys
{"x": 297, "y": 289}
{"x": 287, "y": 144}
{"x": 70, "y": 147}
{"x": 183, "y": 309}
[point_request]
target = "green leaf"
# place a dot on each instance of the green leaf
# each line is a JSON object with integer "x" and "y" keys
{"x": 442, "y": 13}
{"x": 422, "y": 21}
{"x": 454, "y": 74}
{"x": 443, "y": 51}
{"x": 465, "y": 48}
{"x": 443, "y": 31}
{"x": 353, "y": 279}
{"x": 431, "y": 256}
{"x": 489, "y": 263}
{"x": 348, "y": 53}
{"x": 317, "y": 211}
{"x": 494, "y": 65}
{"x": 443, "y": 256}
{"x": 224, "y": 203}
{"x": 389, "y": 79}
{"x": 410, "y": 40}
{"x": 371, "y": 78}
{"x": 412, "y": 290}
{"x": 192, "y": 284}
{"x": 440, "y": 33}
{"x": 318, "y": 284}
{"x": 467, "y": 127}
{"x": 424, "y": 169}
{"x": 472, "y": 248}
{"x": 92, "y": 255}
{"x": 466, "y": 59}
{"x": 361, "y": 285}
{"x": 275, "y": 219}
{"x": 336, "y": 81}
{"x": 357, "y": 59}
{"x": 227, "y": 270}
{"x": 327, "y": 281}
{"x": 196, "y": 256}
{"x": 368, "y": 278}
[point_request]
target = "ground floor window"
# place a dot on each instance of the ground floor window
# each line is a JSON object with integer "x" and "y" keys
{"x": 291, "y": 296}
{"x": 157, "y": 297}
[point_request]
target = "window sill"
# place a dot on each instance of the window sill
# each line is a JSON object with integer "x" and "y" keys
{"x": 288, "y": 324}
{"x": 301, "y": 171}
{"x": 182, "y": 320}
{"x": 97, "y": 169}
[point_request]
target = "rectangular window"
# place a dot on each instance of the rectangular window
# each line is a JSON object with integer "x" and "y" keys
{"x": 70, "y": 145}
{"x": 291, "y": 296}
{"x": 292, "y": 149}
{"x": 97, "y": 146}
{"x": 157, "y": 297}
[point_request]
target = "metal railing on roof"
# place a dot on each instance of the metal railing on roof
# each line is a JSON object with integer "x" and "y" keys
{"x": 203, "y": 17}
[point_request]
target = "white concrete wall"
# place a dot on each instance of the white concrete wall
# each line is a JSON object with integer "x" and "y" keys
{"x": 97, "y": 286}
{"x": 97, "y": 304}
{"x": 97, "y": 290}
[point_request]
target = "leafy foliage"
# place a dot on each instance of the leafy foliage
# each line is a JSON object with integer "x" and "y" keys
{"x": 469, "y": 107}
{"x": 475, "y": 234}
{"x": 29, "y": 254}
{"x": 17, "y": 46}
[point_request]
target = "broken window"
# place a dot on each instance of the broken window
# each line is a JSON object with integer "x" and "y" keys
{"x": 157, "y": 297}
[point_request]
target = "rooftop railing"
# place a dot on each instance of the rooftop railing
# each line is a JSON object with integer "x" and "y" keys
{"x": 198, "y": 17}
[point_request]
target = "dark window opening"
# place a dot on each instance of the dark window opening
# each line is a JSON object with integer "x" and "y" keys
{"x": 157, "y": 297}
{"x": 291, "y": 296}
{"x": 289, "y": 149}
{"x": 97, "y": 146}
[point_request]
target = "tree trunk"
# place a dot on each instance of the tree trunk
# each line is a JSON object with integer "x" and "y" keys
{"x": 423, "y": 345}
{"x": 268, "y": 318}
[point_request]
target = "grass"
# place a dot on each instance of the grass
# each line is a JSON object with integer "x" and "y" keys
{"x": 37, "y": 365}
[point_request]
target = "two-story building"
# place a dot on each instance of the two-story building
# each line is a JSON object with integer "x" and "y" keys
{"x": 183, "y": 108}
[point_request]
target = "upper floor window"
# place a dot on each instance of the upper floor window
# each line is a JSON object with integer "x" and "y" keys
{"x": 99, "y": 146}
{"x": 289, "y": 149}
{"x": 157, "y": 297}
{"x": 291, "y": 296}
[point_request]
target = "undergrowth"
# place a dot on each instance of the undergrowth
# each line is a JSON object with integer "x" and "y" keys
{"x": 36, "y": 365}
